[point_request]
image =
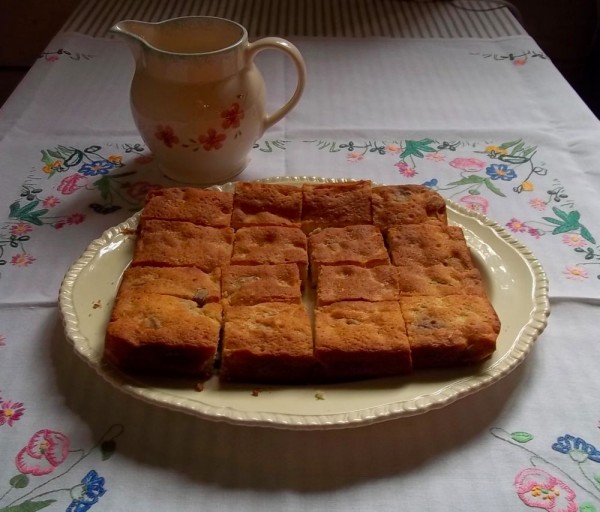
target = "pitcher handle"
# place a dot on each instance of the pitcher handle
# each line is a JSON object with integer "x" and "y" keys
{"x": 277, "y": 43}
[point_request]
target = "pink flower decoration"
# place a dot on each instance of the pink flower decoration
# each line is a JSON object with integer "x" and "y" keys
{"x": 435, "y": 157}
{"x": 22, "y": 228}
{"x": 516, "y": 226}
{"x": 539, "y": 489}
{"x": 405, "y": 169}
{"x": 574, "y": 240}
{"x": 45, "y": 451}
{"x": 22, "y": 260}
{"x": 468, "y": 164}
{"x": 520, "y": 61}
{"x": 354, "y": 156}
{"x": 10, "y": 412}
{"x": 70, "y": 184}
{"x": 393, "y": 149}
{"x": 535, "y": 233}
{"x": 75, "y": 218}
{"x": 576, "y": 273}
{"x": 538, "y": 204}
{"x": 51, "y": 58}
{"x": 475, "y": 203}
{"x": 50, "y": 202}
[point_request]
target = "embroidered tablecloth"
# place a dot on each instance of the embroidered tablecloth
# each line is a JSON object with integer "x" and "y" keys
{"x": 489, "y": 123}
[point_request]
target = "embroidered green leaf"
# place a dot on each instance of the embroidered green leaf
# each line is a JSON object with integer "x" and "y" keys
{"x": 13, "y": 209}
{"x": 490, "y": 185}
{"x": 469, "y": 180}
{"x": 587, "y": 507}
{"x": 507, "y": 145}
{"x": 521, "y": 437}
{"x": 552, "y": 221}
{"x": 103, "y": 185}
{"x": 597, "y": 478}
{"x": 513, "y": 159}
{"x": 55, "y": 154}
{"x": 28, "y": 506}
{"x": 46, "y": 158}
{"x": 74, "y": 158}
{"x": 585, "y": 233}
{"x": 417, "y": 148}
{"x": 108, "y": 448}
{"x": 516, "y": 149}
{"x": 19, "y": 481}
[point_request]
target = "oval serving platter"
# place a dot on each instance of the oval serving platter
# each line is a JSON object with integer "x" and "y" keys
{"x": 516, "y": 285}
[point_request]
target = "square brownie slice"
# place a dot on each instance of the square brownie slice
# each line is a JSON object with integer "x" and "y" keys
{"x": 429, "y": 244}
{"x": 196, "y": 205}
{"x": 336, "y": 204}
{"x": 351, "y": 283}
{"x": 266, "y": 204}
{"x": 182, "y": 244}
{"x": 270, "y": 245}
{"x": 184, "y": 282}
{"x": 355, "y": 340}
{"x": 245, "y": 285}
{"x": 163, "y": 335}
{"x": 450, "y": 330}
{"x": 360, "y": 245}
{"x": 268, "y": 342}
{"x": 395, "y": 205}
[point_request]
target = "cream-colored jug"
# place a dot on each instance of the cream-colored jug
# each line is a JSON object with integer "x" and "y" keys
{"x": 197, "y": 97}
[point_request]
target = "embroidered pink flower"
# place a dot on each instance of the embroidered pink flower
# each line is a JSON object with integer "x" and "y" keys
{"x": 477, "y": 204}
{"x": 50, "y": 202}
{"x": 212, "y": 140}
{"x": 75, "y": 218}
{"x": 435, "y": 157}
{"x": 166, "y": 135}
{"x": 468, "y": 164}
{"x": 516, "y": 226}
{"x": 51, "y": 58}
{"x": 394, "y": 149}
{"x": 573, "y": 240}
{"x": 70, "y": 184}
{"x": 22, "y": 260}
{"x": 405, "y": 169}
{"x": 576, "y": 273}
{"x": 232, "y": 116}
{"x": 2, "y": 340}
{"x": 539, "y": 489}
{"x": 45, "y": 451}
{"x": 10, "y": 412}
{"x": 538, "y": 204}
{"x": 354, "y": 156}
{"x": 535, "y": 233}
{"x": 520, "y": 61}
{"x": 20, "y": 229}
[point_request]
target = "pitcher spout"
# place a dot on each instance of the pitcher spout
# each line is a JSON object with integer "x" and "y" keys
{"x": 134, "y": 31}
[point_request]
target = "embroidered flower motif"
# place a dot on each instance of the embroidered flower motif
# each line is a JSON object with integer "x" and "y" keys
{"x": 576, "y": 273}
{"x": 535, "y": 233}
{"x": 468, "y": 164}
{"x": 50, "y": 202}
{"x": 394, "y": 149}
{"x": 500, "y": 172}
{"x": 117, "y": 160}
{"x": 46, "y": 450}
{"x": 520, "y": 61}
{"x": 2, "y": 340}
{"x": 56, "y": 165}
{"x": 212, "y": 140}
{"x": 475, "y": 203}
{"x": 431, "y": 183}
{"x": 10, "y": 412}
{"x": 578, "y": 449}
{"x": 75, "y": 218}
{"x": 495, "y": 150}
{"x": 70, "y": 184}
{"x": 51, "y": 58}
{"x": 405, "y": 169}
{"x": 96, "y": 167}
{"x": 573, "y": 240}
{"x": 516, "y": 226}
{"x": 527, "y": 186}
{"x": 166, "y": 135}
{"x": 435, "y": 157}
{"x": 20, "y": 229}
{"x": 354, "y": 156}
{"x": 539, "y": 489}
{"x": 87, "y": 493}
{"x": 22, "y": 260}
{"x": 232, "y": 116}
{"x": 538, "y": 204}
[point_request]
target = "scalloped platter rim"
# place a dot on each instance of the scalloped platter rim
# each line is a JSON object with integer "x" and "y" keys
{"x": 516, "y": 283}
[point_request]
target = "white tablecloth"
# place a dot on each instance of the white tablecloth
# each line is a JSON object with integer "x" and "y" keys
{"x": 489, "y": 123}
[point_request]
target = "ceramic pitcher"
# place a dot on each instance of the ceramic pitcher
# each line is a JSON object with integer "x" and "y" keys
{"x": 197, "y": 97}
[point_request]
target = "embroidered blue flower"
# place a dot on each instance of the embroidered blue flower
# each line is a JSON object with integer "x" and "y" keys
{"x": 500, "y": 172}
{"x": 576, "y": 448}
{"x": 87, "y": 493}
{"x": 96, "y": 167}
{"x": 431, "y": 183}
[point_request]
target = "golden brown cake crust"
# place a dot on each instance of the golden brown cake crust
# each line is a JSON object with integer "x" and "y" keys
{"x": 245, "y": 285}
{"x": 429, "y": 244}
{"x": 268, "y": 342}
{"x": 361, "y": 340}
{"x": 196, "y": 205}
{"x": 163, "y": 334}
{"x": 184, "y": 282}
{"x": 395, "y": 205}
{"x": 352, "y": 283}
{"x": 450, "y": 330}
{"x": 336, "y": 204}
{"x": 182, "y": 244}
{"x": 439, "y": 280}
{"x": 262, "y": 204}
